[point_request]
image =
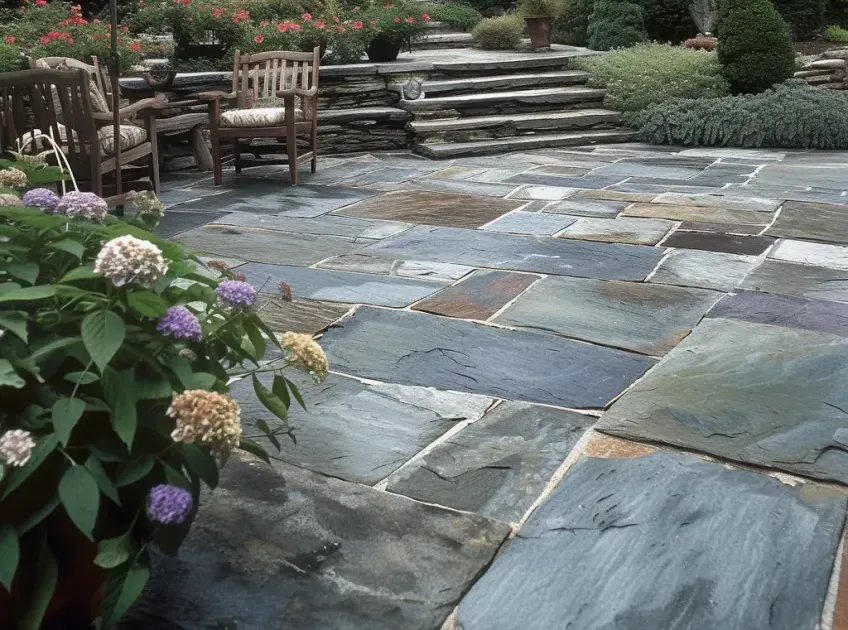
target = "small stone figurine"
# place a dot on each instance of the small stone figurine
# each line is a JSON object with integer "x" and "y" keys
{"x": 411, "y": 90}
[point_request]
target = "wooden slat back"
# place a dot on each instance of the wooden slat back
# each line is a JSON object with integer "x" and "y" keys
{"x": 263, "y": 74}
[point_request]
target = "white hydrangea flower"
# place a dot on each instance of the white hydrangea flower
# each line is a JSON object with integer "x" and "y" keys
{"x": 16, "y": 447}
{"x": 128, "y": 259}
{"x": 13, "y": 178}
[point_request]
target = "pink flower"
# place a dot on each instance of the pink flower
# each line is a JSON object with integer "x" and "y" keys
{"x": 259, "y": 39}
{"x": 375, "y": 20}
{"x": 41, "y": 3}
{"x": 96, "y": 20}
{"x": 53, "y": 34}
{"x": 217, "y": 13}
{"x": 425, "y": 17}
{"x": 242, "y": 14}
{"x": 319, "y": 24}
{"x": 294, "y": 27}
{"x": 44, "y": 40}
{"x": 409, "y": 20}
{"x": 336, "y": 19}
{"x": 125, "y": 28}
{"x": 282, "y": 28}
{"x": 141, "y": 3}
{"x": 340, "y": 29}
{"x": 135, "y": 46}
{"x": 397, "y": 20}
{"x": 306, "y": 16}
{"x": 357, "y": 25}
{"x": 235, "y": 20}
{"x": 356, "y": 9}
{"x": 69, "y": 39}
{"x": 263, "y": 23}
{"x": 388, "y": 5}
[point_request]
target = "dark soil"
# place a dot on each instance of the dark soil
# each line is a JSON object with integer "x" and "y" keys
{"x": 817, "y": 47}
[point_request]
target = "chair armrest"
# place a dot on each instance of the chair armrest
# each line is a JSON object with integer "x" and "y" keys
{"x": 218, "y": 96}
{"x": 311, "y": 92}
{"x": 129, "y": 111}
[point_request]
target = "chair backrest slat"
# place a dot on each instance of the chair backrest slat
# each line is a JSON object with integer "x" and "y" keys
{"x": 266, "y": 73}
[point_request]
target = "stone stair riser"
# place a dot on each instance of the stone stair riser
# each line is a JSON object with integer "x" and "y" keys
{"x": 524, "y": 143}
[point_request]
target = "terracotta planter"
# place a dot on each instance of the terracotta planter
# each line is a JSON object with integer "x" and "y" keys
{"x": 540, "y": 31}
{"x": 383, "y": 49}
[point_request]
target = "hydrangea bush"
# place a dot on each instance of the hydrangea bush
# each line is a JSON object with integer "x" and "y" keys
{"x": 116, "y": 350}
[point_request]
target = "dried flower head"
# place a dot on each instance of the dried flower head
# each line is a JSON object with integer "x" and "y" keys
{"x": 235, "y": 294}
{"x": 128, "y": 259}
{"x": 180, "y": 323}
{"x": 238, "y": 275}
{"x": 31, "y": 159}
{"x": 9, "y": 200}
{"x": 169, "y": 505}
{"x": 285, "y": 291}
{"x": 82, "y": 205}
{"x": 13, "y": 178}
{"x": 188, "y": 354}
{"x": 16, "y": 447}
{"x": 43, "y": 198}
{"x": 208, "y": 417}
{"x": 220, "y": 265}
{"x": 305, "y": 354}
{"x": 150, "y": 209}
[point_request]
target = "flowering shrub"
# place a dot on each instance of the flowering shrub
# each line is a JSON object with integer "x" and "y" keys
{"x": 398, "y": 21}
{"x": 701, "y": 42}
{"x": 116, "y": 349}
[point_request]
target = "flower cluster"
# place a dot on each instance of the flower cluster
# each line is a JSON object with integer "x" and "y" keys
{"x": 82, "y": 205}
{"x": 208, "y": 417}
{"x": 303, "y": 352}
{"x": 180, "y": 323}
{"x": 150, "y": 209}
{"x": 43, "y": 198}
{"x": 128, "y": 259}
{"x": 16, "y": 447}
{"x": 9, "y": 200}
{"x": 235, "y": 294}
{"x": 13, "y": 178}
{"x": 169, "y": 505}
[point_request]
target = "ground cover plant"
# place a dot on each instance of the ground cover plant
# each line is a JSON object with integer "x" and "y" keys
{"x": 499, "y": 33}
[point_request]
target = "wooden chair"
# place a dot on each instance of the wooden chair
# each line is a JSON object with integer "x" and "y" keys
{"x": 58, "y": 103}
{"x": 290, "y": 76}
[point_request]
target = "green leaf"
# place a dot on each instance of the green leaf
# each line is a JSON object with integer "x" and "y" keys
{"x": 252, "y": 447}
{"x": 51, "y": 347}
{"x": 182, "y": 369}
{"x": 9, "y": 554}
{"x": 152, "y": 390}
{"x": 44, "y": 446}
{"x": 72, "y": 247}
{"x": 65, "y": 414}
{"x": 255, "y": 336}
{"x": 147, "y": 303}
{"x": 113, "y": 552}
{"x": 8, "y": 376}
{"x": 15, "y": 322}
{"x": 80, "y": 273}
{"x": 263, "y": 426}
{"x": 27, "y": 271}
{"x": 202, "y": 463}
{"x": 203, "y": 380}
{"x": 95, "y": 467}
{"x": 103, "y": 333}
{"x": 28, "y": 294}
{"x": 296, "y": 393}
{"x": 32, "y": 217}
{"x": 270, "y": 400}
{"x": 83, "y": 378}
{"x": 119, "y": 394}
{"x": 47, "y": 574}
{"x": 122, "y": 589}
{"x": 280, "y": 390}
{"x": 135, "y": 469}
{"x": 80, "y": 497}
{"x": 39, "y": 515}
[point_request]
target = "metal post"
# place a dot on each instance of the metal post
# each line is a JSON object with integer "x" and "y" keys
{"x": 116, "y": 101}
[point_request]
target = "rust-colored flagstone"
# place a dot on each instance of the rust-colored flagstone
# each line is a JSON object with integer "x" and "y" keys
{"x": 482, "y": 295}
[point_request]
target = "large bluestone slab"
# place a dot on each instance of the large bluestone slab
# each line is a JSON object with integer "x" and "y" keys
{"x": 775, "y": 276}
{"x": 363, "y": 263}
{"x": 665, "y": 541}
{"x": 360, "y": 432}
{"x": 266, "y": 246}
{"x": 291, "y": 549}
{"x": 497, "y": 466}
{"x": 431, "y": 351}
{"x": 177, "y": 221}
{"x": 813, "y": 221}
{"x": 783, "y": 310}
{"x": 340, "y": 286}
{"x": 643, "y": 317}
{"x": 819, "y": 254}
{"x": 517, "y": 252}
{"x": 729, "y": 243}
{"x": 759, "y": 394}
{"x": 479, "y": 296}
{"x": 708, "y": 270}
{"x": 325, "y": 225}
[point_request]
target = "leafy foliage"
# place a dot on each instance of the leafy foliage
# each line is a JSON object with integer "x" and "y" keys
{"x": 541, "y": 8}
{"x": 836, "y": 34}
{"x": 499, "y": 33}
{"x": 458, "y": 15}
{"x": 701, "y": 42}
{"x": 804, "y": 17}
{"x": 572, "y": 25}
{"x": 754, "y": 47}
{"x": 792, "y": 115}
{"x": 637, "y": 77}
{"x": 668, "y": 20}
{"x": 615, "y": 24}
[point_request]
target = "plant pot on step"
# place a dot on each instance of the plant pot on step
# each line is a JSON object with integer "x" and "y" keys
{"x": 383, "y": 49}
{"x": 540, "y": 31}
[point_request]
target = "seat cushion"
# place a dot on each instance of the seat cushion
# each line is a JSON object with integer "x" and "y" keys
{"x": 98, "y": 100}
{"x": 131, "y": 137}
{"x": 257, "y": 117}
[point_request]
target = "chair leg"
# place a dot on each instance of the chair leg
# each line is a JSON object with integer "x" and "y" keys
{"x": 291, "y": 146}
{"x": 314, "y": 163}
{"x": 237, "y": 154}
{"x": 216, "y": 159}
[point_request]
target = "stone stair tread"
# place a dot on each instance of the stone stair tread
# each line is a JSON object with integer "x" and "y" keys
{"x": 446, "y": 38}
{"x": 539, "y": 95}
{"x": 523, "y": 143}
{"x": 362, "y": 113}
{"x": 506, "y": 80}
{"x": 545, "y": 119}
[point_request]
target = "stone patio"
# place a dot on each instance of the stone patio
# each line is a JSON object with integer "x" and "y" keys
{"x": 584, "y": 388}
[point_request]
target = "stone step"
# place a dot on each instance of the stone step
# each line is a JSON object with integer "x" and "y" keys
{"x": 431, "y": 41}
{"x": 486, "y": 62}
{"x": 523, "y": 143}
{"x": 509, "y": 101}
{"x": 482, "y": 127}
{"x": 506, "y": 81}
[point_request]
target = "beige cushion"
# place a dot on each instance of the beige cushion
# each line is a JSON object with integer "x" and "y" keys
{"x": 131, "y": 137}
{"x": 98, "y": 101}
{"x": 257, "y": 117}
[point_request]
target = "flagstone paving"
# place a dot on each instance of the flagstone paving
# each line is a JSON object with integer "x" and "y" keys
{"x": 528, "y": 426}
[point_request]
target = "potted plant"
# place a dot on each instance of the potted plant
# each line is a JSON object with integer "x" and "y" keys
{"x": 116, "y": 350}
{"x": 397, "y": 24}
{"x": 539, "y": 15}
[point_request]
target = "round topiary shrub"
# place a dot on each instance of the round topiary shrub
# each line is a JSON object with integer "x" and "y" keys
{"x": 570, "y": 28}
{"x": 500, "y": 33}
{"x": 668, "y": 20}
{"x": 615, "y": 24}
{"x": 754, "y": 47}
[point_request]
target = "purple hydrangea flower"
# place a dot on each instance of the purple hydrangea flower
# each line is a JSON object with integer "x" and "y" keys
{"x": 169, "y": 505}
{"x": 236, "y": 293}
{"x": 83, "y": 205}
{"x": 43, "y": 198}
{"x": 180, "y": 323}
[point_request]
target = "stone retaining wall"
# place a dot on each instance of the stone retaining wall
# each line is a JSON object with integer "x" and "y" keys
{"x": 827, "y": 70}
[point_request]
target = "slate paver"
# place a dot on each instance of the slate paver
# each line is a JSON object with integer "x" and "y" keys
{"x": 339, "y": 286}
{"x": 479, "y": 296}
{"x": 813, "y": 221}
{"x": 292, "y": 549}
{"x": 521, "y": 253}
{"x": 498, "y": 465}
{"x": 359, "y": 432}
{"x": 176, "y": 222}
{"x": 641, "y": 317}
{"x": 536, "y": 223}
{"x": 765, "y": 395}
{"x": 423, "y": 270}
{"x": 696, "y": 213}
{"x": 587, "y": 207}
{"x": 721, "y": 228}
{"x": 775, "y": 276}
{"x": 753, "y": 204}
{"x": 783, "y": 310}
{"x": 614, "y": 195}
{"x": 664, "y": 541}
{"x": 707, "y": 270}
{"x": 633, "y": 231}
{"x": 303, "y": 316}
{"x": 560, "y": 181}
{"x": 433, "y": 208}
{"x": 622, "y": 170}
{"x": 543, "y": 193}
{"x": 326, "y": 225}
{"x": 462, "y": 187}
{"x": 431, "y": 351}
{"x": 729, "y": 243}
{"x": 819, "y": 254}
